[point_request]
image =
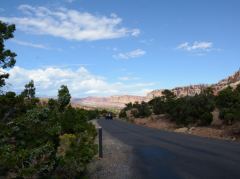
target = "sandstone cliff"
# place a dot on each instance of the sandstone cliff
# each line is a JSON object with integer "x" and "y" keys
{"x": 112, "y": 101}
{"x": 179, "y": 91}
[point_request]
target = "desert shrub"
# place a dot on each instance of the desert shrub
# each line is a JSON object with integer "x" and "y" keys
{"x": 158, "y": 105}
{"x": 206, "y": 119}
{"x": 194, "y": 109}
{"x": 228, "y": 102}
{"x": 138, "y": 110}
{"x": 123, "y": 114}
{"x": 74, "y": 153}
{"x": 135, "y": 113}
{"x": 142, "y": 110}
{"x": 31, "y": 137}
{"x": 186, "y": 110}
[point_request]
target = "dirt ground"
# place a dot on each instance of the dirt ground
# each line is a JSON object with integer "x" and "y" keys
{"x": 216, "y": 130}
{"x": 156, "y": 121}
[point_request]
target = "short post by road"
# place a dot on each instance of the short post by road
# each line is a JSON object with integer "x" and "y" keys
{"x": 100, "y": 150}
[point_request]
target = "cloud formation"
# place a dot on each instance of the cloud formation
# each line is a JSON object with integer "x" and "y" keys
{"x": 29, "y": 44}
{"x": 128, "y": 78}
{"x": 196, "y": 46}
{"x": 80, "y": 82}
{"x": 132, "y": 54}
{"x": 69, "y": 24}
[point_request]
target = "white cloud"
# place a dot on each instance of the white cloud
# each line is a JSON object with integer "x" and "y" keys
{"x": 80, "y": 82}
{"x": 132, "y": 54}
{"x": 128, "y": 78}
{"x": 136, "y": 32}
{"x": 147, "y": 41}
{"x": 196, "y": 46}
{"x": 69, "y": 24}
{"x": 29, "y": 44}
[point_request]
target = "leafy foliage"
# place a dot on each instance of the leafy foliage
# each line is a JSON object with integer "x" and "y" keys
{"x": 33, "y": 135}
{"x": 29, "y": 91}
{"x": 7, "y": 57}
{"x": 64, "y": 97}
{"x": 140, "y": 110}
{"x": 195, "y": 109}
{"x": 184, "y": 111}
{"x": 228, "y": 101}
{"x": 30, "y": 139}
{"x": 157, "y": 105}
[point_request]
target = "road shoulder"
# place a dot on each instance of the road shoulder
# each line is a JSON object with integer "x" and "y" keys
{"x": 116, "y": 161}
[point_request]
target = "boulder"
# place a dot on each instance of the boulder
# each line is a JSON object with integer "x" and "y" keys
{"x": 181, "y": 130}
{"x": 217, "y": 122}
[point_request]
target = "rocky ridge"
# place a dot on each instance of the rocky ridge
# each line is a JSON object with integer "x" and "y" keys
{"x": 108, "y": 102}
{"x": 120, "y": 101}
{"x": 191, "y": 90}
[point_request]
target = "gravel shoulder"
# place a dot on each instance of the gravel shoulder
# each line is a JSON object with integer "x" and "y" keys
{"x": 116, "y": 162}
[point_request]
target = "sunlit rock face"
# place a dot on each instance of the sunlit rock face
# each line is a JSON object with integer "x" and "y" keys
{"x": 112, "y": 101}
{"x": 180, "y": 91}
{"x": 232, "y": 81}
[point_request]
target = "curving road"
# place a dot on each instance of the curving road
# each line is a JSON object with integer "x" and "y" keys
{"x": 161, "y": 154}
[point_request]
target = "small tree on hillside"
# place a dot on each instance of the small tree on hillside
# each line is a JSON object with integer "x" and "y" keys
{"x": 29, "y": 91}
{"x": 28, "y": 95}
{"x": 168, "y": 95}
{"x": 64, "y": 97}
{"x": 228, "y": 101}
{"x": 157, "y": 105}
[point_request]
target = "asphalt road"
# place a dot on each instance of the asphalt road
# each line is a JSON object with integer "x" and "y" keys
{"x": 161, "y": 154}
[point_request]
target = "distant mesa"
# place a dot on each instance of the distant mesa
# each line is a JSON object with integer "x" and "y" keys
{"x": 119, "y": 102}
{"x": 108, "y": 102}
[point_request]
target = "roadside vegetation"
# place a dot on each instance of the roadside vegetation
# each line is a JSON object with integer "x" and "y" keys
{"x": 41, "y": 139}
{"x": 190, "y": 110}
{"x": 228, "y": 101}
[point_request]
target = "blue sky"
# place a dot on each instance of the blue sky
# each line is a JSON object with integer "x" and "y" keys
{"x": 101, "y": 48}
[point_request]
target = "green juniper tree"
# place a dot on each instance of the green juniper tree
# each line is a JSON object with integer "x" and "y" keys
{"x": 29, "y": 91}
{"x": 7, "y": 57}
{"x": 64, "y": 97}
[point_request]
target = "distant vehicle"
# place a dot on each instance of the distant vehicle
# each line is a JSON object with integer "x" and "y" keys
{"x": 109, "y": 116}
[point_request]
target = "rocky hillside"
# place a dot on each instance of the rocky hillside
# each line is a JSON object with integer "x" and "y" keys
{"x": 191, "y": 90}
{"x": 179, "y": 91}
{"x": 120, "y": 101}
{"x": 232, "y": 81}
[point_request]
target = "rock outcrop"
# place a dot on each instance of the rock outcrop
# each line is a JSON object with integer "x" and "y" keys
{"x": 179, "y": 91}
{"x": 191, "y": 90}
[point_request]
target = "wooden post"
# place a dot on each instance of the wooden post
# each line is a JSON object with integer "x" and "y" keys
{"x": 100, "y": 142}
